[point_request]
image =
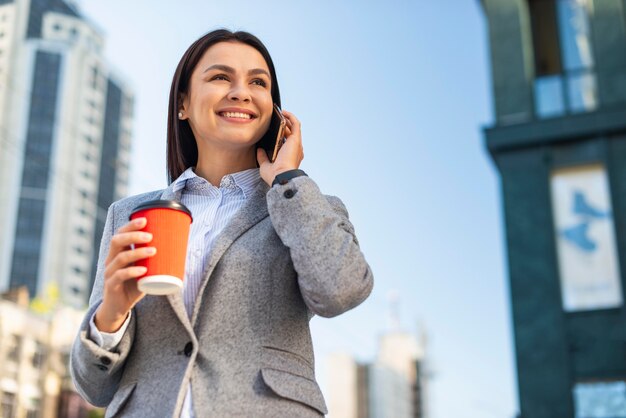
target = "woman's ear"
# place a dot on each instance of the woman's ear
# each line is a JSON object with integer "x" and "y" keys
{"x": 182, "y": 107}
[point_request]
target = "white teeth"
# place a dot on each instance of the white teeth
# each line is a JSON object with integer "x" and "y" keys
{"x": 237, "y": 115}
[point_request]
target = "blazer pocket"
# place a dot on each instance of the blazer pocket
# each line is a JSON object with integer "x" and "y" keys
{"x": 294, "y": 387}
{"x": 281, "y": 359}
{"x": 119, "y": 399}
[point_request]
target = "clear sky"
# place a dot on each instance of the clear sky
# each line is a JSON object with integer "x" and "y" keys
{"x": 392, "y": 97}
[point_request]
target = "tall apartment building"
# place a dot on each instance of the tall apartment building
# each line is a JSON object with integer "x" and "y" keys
{"x": 393, "y": 385}
{"x": 65, "y": 123}
{"x": 559, "y": 143}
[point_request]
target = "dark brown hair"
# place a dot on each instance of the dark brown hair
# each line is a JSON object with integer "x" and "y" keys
{"x": 182, "y": 151}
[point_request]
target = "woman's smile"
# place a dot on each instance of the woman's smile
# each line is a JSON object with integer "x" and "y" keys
{"x": 237, "y": 115}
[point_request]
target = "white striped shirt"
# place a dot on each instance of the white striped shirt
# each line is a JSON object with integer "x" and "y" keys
{"x": 211, "y": 209}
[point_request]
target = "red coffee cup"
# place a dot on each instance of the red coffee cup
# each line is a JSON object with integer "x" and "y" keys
{"x": 168, "y": 221}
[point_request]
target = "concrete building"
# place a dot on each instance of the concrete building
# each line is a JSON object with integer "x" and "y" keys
{"x": 65, "y": 131}
{"x": 34, "y": 375}
{"x": 394, "y": 385}
{"x": 559, "y": 144}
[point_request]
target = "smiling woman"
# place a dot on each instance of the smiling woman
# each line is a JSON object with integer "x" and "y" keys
{"x": 266, "y": 251}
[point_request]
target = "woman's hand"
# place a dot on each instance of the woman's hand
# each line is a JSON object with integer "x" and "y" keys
{"x": 120, "y": 285}
{"x": 290, "y": 155}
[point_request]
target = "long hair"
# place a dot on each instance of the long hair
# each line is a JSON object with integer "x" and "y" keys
{"x": 182, "y": 151}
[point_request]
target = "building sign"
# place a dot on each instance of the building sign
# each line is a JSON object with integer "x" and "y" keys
{"x": 600, "y": 400}
{"x": 585, "y": 236}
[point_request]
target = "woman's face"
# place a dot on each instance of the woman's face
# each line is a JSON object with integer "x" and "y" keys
{"x": 229, "y": 101}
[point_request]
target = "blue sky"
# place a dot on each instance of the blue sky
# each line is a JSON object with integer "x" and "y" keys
{"x": 392, "y": 99}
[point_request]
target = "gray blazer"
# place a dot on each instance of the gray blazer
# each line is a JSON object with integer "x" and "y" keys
{"x": 289, "y": 253}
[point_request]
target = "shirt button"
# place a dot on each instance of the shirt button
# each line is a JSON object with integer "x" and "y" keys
{"x": 188, "y": 349}
{"x": 289, "y": 193}
{"x": 105, "y": 360}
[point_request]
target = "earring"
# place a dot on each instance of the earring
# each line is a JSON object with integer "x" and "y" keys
{"x": 180, "y": 115}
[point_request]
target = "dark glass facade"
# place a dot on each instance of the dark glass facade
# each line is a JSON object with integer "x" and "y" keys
{"x": 108, "y": 164}
{"x": 570, "y": 351}
{"x": 38, "y": 8}
{"x": 39, "y": 137}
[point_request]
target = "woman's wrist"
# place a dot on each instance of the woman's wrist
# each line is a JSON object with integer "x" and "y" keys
{"x": 284, "y": 176}
{"x": 108, "y": 322}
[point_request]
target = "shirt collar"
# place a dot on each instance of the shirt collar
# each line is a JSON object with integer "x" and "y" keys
{"x": 246, "y": 180}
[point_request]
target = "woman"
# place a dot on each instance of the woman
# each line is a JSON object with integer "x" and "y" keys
{"x": 266, "y": 252}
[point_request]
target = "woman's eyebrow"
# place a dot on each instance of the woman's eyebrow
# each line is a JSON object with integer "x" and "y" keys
{"x": 256, "y": 71}
{"x": 221, "y": 67}
{"x": 231, "y": 70}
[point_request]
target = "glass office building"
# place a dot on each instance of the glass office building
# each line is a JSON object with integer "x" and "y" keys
{"x": 65, "y": 131}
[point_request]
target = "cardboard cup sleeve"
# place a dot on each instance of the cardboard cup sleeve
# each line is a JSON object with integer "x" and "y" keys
{"x": 169, "y": 222}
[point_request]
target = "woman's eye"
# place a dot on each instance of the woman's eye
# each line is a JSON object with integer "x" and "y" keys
{"x": 220, "y": 77}
{"x": 259, "y": 82}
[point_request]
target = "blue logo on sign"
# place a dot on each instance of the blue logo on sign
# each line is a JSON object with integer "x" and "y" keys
{"x": 579, "y": 233}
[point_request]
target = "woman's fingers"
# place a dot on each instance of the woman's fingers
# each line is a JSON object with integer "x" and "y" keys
{"x": 292, "y": 122}
{"x": 125, "y": 258}
{"x": 127, "y": 273}
{"x": 124, "y": 238}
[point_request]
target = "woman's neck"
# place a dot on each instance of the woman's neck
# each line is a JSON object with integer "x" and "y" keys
{"x": 214, "y": 165}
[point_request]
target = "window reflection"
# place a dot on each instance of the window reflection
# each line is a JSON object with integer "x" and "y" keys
{"x": 549, "y": 96}
{"x": 600, "y": 399}
{"x": 581, "y": 90}
{"x": 564, "y": 67}
{"x": 574, "y": 34}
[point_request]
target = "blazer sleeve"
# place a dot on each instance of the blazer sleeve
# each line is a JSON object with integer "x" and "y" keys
{"x": 332, "y": 272}
{"x": 96, "y": 372}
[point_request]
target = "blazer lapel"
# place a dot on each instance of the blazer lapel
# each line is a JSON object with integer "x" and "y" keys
{"x": 252, "y": 212}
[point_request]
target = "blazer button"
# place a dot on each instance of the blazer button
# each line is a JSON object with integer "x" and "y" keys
{"x": 289, "y": 193}
{"x": 188, "y": 349}
{"x": 103, "y": 368}
{"x": 105, "y": 360}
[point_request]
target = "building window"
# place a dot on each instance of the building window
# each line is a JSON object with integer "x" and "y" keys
{"x": 15, "y": 345}
{"x": 39, "y": 356}
{"x": 600, "y": 399}
{"x": 8, "y": 404}
{"x": 565, "y": 80}
{"x": 95, "y": 75}
{"x": 32, "y": 410}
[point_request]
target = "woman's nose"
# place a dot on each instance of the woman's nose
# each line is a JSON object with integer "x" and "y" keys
{"x": 239, "y": 92}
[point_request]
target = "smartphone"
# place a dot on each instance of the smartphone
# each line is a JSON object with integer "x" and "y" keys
{"x": 275, "y": 136}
